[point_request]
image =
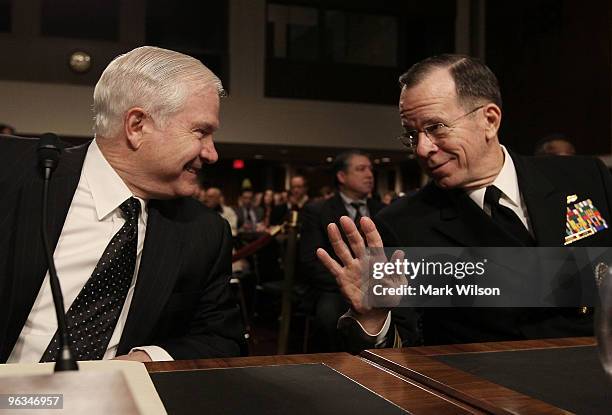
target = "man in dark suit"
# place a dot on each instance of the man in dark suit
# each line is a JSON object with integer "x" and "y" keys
{"x": 354, "y": 182}
{"x": 249, "y": 216}
{"x": 481, "y": 194}
{"x": 159, "y": 288}
{"x": 297, "y": 197}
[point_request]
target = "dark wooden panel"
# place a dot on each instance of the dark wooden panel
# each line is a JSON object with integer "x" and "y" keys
{"x": 405, "y": 393}
{"x": 502, "y": 346}
{"x": 418, "y": 364}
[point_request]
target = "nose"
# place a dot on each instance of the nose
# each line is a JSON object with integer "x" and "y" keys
{"x": 208, "y": 153}
{"x": 425, "y": 146}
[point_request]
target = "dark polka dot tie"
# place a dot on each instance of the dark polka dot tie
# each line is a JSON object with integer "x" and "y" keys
{"x": 93, "y": 315}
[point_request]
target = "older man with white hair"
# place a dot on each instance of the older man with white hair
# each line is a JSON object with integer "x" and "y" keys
{"x": 144, "y": 268}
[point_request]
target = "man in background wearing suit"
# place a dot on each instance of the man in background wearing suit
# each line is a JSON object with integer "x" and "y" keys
{"x": 249, "y": 216}
{"x": 481, "y": 194}
{"x": 144, "y": 268}
{"x": 297, "y": 198}
{"x": 354, "y": 181}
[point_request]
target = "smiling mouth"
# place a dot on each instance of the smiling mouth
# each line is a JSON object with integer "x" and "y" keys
{"x": 433, "y": 169}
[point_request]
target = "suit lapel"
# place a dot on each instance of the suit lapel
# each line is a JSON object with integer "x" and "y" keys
{"x": 338, "y": 208}
{"x": 157, "y": 275}
{"x": 545, "y": 203}
{"x": 467, "y": 224}
{"x": 455, "y": 223}
{"x": 463, "y": 222}
{"x": 32, "y": 263}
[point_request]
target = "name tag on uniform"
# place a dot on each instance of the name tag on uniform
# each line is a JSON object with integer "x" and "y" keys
{"x": 582, "y": 220}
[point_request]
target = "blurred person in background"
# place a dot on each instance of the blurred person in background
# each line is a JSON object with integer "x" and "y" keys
{"x": 389, "y": 197}
{"x": 7, "y": 129}
{"x": 278, "y": 198}
{"x": 249, "y": 215}
{"x": 354, "y": 181}
{"x": 326, "y": 192}
{"x": 267, "y": 204}
{"x": 214, "y": 200}
{"x": 297, "y": 197}
{"x": 555, "y": 145}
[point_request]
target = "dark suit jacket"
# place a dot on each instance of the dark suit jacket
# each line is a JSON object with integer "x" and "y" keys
{"x": 279, "y": 214}
{"x": 314, "y": 218}
{"x": 182, "y": 299}
{"x": 241, "y": 214}
{"x": 435, "y": 217}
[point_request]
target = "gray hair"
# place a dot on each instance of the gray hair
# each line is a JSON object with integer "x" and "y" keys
{"x": 474, "y": 81}
{"x": 157, "y": 80}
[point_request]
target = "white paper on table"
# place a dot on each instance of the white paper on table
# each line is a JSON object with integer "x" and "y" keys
{"x": 136, "y": 375}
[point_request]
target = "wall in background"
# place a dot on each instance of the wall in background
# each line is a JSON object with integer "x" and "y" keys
{"x": 553, "y": 58}
{"x": 246, "y": 115}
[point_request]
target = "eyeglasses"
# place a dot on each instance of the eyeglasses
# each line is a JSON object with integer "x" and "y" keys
{"x": 434, "y": 132}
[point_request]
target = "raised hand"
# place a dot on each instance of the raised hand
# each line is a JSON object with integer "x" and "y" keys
{"x": 353, "y": 274}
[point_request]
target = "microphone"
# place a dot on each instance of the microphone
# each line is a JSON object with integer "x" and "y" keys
{"x": 49, "y": 151}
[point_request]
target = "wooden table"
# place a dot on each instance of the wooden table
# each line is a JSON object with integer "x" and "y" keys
{"x": 419, "y": 365}
{"x": 404, "y": 392}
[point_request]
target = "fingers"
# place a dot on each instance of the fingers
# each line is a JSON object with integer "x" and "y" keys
{"x": 397, "y": 255}
{"x": 371, "y": 233}
{"x": 338, "y": 244}
{"x": 350, "y": 288}
{"x": 329, "y": 263}
{"x": 353, "y": 236}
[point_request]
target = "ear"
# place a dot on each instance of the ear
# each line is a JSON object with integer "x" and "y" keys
{"x": 135, "y": 126}
{"x": 341, "y": 176}
{"x": 493, "y": 116}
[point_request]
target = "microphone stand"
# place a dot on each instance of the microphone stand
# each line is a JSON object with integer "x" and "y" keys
{"x": 65, "y": 359}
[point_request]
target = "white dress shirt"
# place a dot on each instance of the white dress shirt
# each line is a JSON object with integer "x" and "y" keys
{"x": 230, "y": 216}
{"x": 93, "y": 219}
{"x": 350, "y": 209}
{"x": 507, "y": 182}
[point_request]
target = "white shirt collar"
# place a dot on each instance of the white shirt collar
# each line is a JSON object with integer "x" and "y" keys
{"x": 107, "y": 189}
{"x": 506, "y": 181}
{"x": 348, "y": 201}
